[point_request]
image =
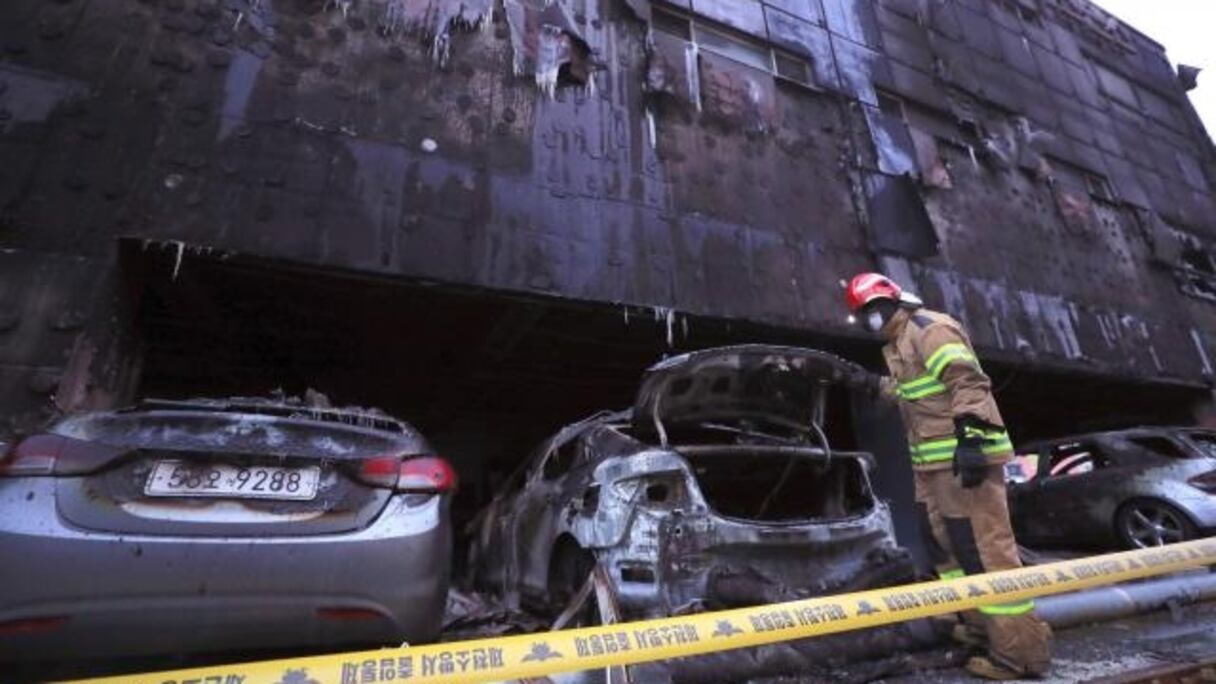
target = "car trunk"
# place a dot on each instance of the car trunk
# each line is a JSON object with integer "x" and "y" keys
{"x": 784, "y": 523}
{"x": 778, "y": 484}
{"x": 214, "y": 468}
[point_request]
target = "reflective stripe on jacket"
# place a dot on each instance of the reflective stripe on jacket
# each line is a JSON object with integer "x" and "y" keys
{"x": 936, "y": 376}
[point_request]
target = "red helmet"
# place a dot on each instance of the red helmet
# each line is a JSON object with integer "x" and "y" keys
{"x": 866, "y": 287}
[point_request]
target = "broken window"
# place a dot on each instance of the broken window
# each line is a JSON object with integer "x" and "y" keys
{"x": 672, "y": 23}
{"x": 1196, "y": 267}
{"x": 1206, "y": 441}
{"x": 793, "y": 68}
{"x": 726, "y": 42}
{"x": 891, "y": 105}
{"x": 766, "y": 486}
{"x": 1160, "y": 446}
{"x": 1099, "y": 187}
{"x": 899, "y": 223}
{"x": 562, "y": 459}
{"x": 1026, "y": 10}
{"x": 1096, "y": 185}
{"x": 1116, "y": 86}
{"x": 733, "y": 47}
{"x": 1077, "y": 458}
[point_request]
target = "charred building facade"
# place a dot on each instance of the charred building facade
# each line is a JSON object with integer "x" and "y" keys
{"x": 487, "y": 216}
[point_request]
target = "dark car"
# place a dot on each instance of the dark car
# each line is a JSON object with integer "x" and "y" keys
{"x": 719, "y": 488}
{"x": 221, "y": 525}
{"x": 1122, "y": 489}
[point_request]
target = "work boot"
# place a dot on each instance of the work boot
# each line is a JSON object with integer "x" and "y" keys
{"x": 984, "y": 667}
{"x": 967, "y": 635}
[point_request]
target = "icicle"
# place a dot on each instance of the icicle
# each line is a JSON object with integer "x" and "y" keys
{"x": 667, "y": 316}
{"x": 650, "y": 127}
{"x": 550, "y": 55}
{"x": 177, "y": 262}
{"x": 693, "y": 68}
{"x": 626, "y": 309}
{"x": 974, "y": 159}
{"x": 684, "y": 325}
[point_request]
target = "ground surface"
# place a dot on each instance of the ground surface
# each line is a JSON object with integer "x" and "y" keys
{"x": 1116, "y": 648}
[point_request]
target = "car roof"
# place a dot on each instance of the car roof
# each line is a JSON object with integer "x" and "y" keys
{"x": 1139, "y": 431}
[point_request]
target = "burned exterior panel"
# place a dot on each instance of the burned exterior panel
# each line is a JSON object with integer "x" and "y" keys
{"x": 594, "y": 151}
{"x": 688, "y": 501}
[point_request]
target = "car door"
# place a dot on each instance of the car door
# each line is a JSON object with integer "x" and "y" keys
{"x": 535, "y": 518}
{"x": 493, "y": 564}
{"x": 1030, "y": 522}
{"x": 1058, "y": 504}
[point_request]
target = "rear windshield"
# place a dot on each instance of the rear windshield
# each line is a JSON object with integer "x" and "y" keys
{"x": 781, "y": 488}
{"x": 1205, "y": 442}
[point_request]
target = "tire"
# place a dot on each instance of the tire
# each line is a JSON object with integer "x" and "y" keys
{"x": 569, "y": 567}
{"x": 1144, "y": 523}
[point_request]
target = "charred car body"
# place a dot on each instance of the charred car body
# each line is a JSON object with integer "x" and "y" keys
{"x": 1128, "y": 488}
{"x": 195, "y": 526}
{"x": 718, "y": 488}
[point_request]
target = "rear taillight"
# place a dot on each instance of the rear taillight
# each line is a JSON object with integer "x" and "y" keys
{"x": 419, "y": 474}
{"x": 341, "y": 614}
{"x": 380, "y": 472}
{"x": 56, "y": 455}
{"x": 31, "y": 625}
{"x": 1205, "y": 482}
{"x": 32, "y": 456}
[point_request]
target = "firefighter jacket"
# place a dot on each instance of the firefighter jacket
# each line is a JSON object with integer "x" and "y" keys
{"x": 935, "y": 376}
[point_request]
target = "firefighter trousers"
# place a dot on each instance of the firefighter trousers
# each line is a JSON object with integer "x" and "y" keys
{"x": 968, "y": 533}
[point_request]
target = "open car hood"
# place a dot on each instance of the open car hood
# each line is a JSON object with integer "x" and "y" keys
{"x": 752, "y": 385}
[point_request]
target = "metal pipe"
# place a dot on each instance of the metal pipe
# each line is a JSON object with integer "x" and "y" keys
{"x": 1109, "y": 603}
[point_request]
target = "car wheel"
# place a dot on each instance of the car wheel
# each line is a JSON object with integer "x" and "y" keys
{"x": 1144, "y": 523}
{"x": 569, "y": 567}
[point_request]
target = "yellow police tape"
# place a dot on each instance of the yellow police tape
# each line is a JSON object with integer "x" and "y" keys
{"x": 535, "y": 655}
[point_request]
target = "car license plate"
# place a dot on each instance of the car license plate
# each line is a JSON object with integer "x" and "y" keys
{"x": 178, "y": 478}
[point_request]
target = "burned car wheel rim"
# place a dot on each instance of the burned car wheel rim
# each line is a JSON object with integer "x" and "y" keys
{"x": 1153, "y": 525}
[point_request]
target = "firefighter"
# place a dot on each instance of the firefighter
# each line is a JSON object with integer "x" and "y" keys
{"x": 958, "y": 447}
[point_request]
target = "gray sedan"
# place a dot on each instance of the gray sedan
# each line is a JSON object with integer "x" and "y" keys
{"x": 1127, "y": 488}
{"x": 186, "y": 527}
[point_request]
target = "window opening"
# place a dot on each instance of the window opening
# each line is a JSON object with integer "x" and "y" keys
{"x": 1024, "y": 10}
{"x": 890, "y": 104}
{"x": 732, "y": 47}
{"x": 562, "y": 459}
{"x": 726, "y": 42}
{"x": 1076, "y": 459}
{"x": 672, "y": 23}
{"x": 1116, "y": 86}
{"x": 1159, "y": 445}
{"x": 1206, "y": 441}
{"x": 1099, "y": 187}
{"x": 793, "y": 68}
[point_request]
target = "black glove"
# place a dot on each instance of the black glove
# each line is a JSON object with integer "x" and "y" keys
{"x": 867, "y": 383}
{"x": 970, "y": 463}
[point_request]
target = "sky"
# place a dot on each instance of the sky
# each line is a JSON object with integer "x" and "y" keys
{"x": 1186, "y": 28}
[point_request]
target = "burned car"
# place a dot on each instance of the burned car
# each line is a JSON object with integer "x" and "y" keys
{"x": 221, "y": 525}
{"x": 718, "y": 489}
{"x": 1127, "y": 489}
